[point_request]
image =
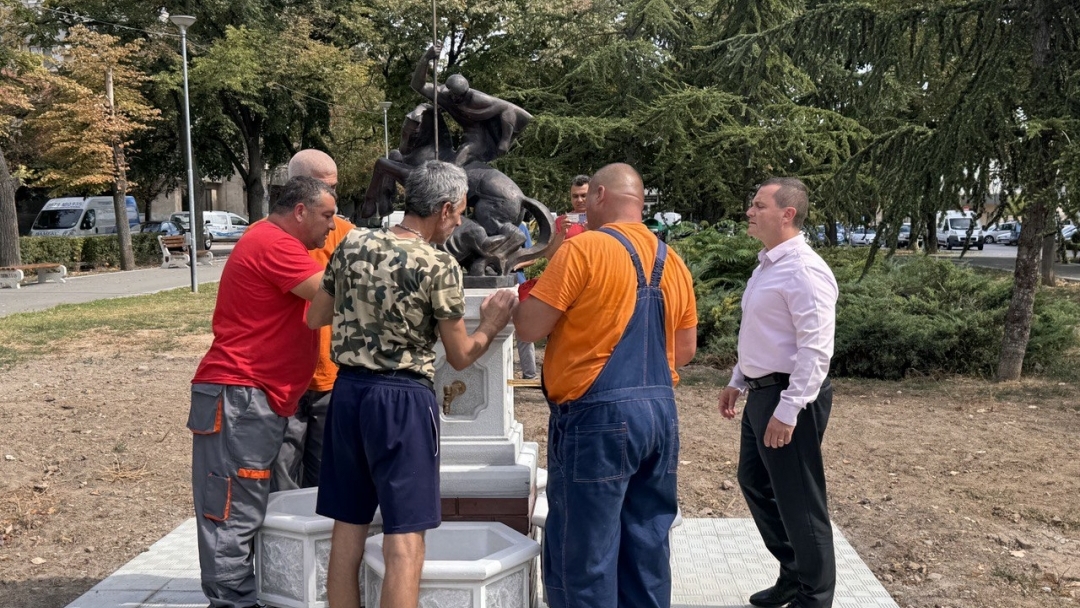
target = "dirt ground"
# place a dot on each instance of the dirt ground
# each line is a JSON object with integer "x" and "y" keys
{"x": 957, "y": 493}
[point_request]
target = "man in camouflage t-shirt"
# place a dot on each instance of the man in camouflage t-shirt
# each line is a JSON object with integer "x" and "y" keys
{"x": 390, "y": 295}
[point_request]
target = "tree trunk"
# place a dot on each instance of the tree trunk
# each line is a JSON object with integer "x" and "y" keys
{"x": 1025, "y": 284}
{"x": 931, "y": 233}
{"x": 1049, "y": 256}
{"x": 9, "y": 218}
{"x": 123, "y": 229}
{"x": 253, "y": 183}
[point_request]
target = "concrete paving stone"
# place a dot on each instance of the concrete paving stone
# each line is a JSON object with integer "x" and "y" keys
{"x": 716, "y": 563}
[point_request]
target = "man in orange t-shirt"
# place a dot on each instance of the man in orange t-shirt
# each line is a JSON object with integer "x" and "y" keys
{"x": 619, "y": 311}
{"x": 300, "y": 458}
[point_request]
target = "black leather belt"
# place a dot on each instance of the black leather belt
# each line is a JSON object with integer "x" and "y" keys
{"x": 768, "y": 380}
{"x": 394, "y": 373}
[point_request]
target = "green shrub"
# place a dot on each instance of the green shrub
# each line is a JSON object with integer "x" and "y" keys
{"x": 93, "y": 251}
{"x": 909, "y": 315}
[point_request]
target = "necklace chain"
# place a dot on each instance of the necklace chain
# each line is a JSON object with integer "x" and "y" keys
{"x": 416, "y": 232}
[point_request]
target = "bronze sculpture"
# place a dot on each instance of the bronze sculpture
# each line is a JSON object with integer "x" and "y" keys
{"x": 488, "y": 242}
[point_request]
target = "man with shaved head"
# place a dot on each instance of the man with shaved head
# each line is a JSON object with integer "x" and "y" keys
{"x": 300, "y": 459}
{"x": 618, "y": 309}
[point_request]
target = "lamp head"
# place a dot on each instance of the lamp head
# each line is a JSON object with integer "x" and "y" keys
{"x": 385, "y": 105}
{"x": 182, "y": 21}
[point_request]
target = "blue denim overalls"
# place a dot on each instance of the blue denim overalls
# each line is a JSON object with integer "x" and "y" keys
{"x": 612, "y": 459}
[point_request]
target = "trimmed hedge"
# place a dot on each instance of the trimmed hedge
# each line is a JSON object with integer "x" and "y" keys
{"x": 911, "y": 315}
{"x": 90, "y": 251}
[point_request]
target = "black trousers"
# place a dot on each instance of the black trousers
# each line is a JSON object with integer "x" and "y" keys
{"x": 785, "y": 490}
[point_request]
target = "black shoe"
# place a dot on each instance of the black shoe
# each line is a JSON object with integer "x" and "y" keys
{"x": 776, "y": 596}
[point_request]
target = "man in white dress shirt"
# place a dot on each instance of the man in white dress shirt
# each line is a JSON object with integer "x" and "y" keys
{"x": 785, "y": 343}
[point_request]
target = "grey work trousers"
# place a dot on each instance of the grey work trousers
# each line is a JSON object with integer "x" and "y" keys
{"x": 236, "y": 438}
{"x": 298, "y": 463}
{"x": 527, "y": 359}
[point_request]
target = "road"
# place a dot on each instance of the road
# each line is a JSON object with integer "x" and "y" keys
{"x": 1003, "y": 257}
{"x": 105, "y": 285}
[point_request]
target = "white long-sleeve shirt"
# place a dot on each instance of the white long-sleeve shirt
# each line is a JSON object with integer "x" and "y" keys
{"x": 788, "y": 322}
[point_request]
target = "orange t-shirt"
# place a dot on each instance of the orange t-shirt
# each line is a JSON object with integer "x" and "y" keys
{"x": 591, "y": 280}
{"x": 326, "y": 369}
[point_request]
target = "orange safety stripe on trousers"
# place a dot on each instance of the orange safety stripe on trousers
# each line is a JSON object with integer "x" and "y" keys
{"x": 217, "y": 419}
{"x": 253, "y": 473}
{"x": 228, "y": 505}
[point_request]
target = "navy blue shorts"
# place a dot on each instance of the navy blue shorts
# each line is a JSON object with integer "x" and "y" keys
{"x": 381, "y": 449}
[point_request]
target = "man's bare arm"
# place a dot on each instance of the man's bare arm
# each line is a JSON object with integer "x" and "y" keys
{"x": 462, "y": 348}
{"x": 685, "y": 345}
{"x": 534, "y": 319}
{"x": 321, "y": 311}
{"x": 309, "y": 287}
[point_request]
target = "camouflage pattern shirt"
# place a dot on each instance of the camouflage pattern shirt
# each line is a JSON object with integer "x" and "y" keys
{"x": 389, "y": 295}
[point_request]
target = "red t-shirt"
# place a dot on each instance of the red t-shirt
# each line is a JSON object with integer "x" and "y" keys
{"x": 574, "y": 230}
{"x": 260, "y": 336}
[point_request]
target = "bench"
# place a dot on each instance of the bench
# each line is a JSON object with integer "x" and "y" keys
{"x": 174, "y": 252}
{"x": 12, "y": 276}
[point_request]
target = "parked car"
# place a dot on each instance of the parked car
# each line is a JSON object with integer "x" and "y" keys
{"x": 181, "y": 220}
{"x": 862, "y": 236}
{"x": 166, "y": 227}
{"x": 821, "y": 237}
{"x": 1000, "y": 233}
{"x": 903, "y": 238}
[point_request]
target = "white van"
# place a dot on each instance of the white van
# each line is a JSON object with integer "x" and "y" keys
{"x": 78, "y": 216}
{"x": 225, "y": 226}
{"x": 952, "y": 229}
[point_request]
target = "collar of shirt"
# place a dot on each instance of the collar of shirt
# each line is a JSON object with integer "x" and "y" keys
{"x": 774, "y": 254}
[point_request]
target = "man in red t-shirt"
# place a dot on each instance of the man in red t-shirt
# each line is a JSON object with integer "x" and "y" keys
{"x": 261, "y": 361}
{"x": 567, "y": 225}
{"x": 573, "y": 223}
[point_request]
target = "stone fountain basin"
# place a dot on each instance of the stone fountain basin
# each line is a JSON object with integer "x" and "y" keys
{"x": 292, "y": 549}
{"x": 466, "y": 564}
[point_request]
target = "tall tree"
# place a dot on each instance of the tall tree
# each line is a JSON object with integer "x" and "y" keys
{"x": 93, "y": 106}
{"x": 962, "y": 97}
{"x": 14, "y": 103}
{"x": 265, "y": 79}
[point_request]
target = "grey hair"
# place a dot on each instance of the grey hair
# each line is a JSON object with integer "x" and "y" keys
{"x": 432, "y": 184}
{"x": 300, "y": 189}
{"x": 792, "y": 193}
{"x": 579, "y": 180}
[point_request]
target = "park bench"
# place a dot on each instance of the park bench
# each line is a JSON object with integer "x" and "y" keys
{"x": 12, "y": 276}
{"x": 174, "y": 252}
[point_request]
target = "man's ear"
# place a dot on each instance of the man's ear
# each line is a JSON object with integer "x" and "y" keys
{"x": 447, "y": 209}
{"x": 298, "y": 211}
{"x": 600, "y": 192}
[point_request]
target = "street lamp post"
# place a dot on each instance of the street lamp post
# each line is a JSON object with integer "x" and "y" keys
{"x": 385, "y": 105}
{"x": 183, "y": 22}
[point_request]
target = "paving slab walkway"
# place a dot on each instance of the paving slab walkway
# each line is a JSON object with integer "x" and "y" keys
{"x": 717, "y": 563}
{"x": 103, "y": 285}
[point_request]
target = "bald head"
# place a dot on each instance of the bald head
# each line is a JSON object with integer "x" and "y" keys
{"x": 316, "y": 164}
{"x": 616, "y": 194}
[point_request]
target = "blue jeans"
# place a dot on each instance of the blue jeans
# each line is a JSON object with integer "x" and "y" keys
{"x": 612, "y": 494}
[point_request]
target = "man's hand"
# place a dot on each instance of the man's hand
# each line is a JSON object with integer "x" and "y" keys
{"x": 433, "y": 52}
{"x": 496, "y": 309}
{"x": 728, "y": 397}
{"x": 778, "y": 434}
{"x": 556, "y": 240}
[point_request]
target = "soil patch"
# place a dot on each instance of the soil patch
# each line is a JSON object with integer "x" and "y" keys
{"x": 957, "y": 493}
